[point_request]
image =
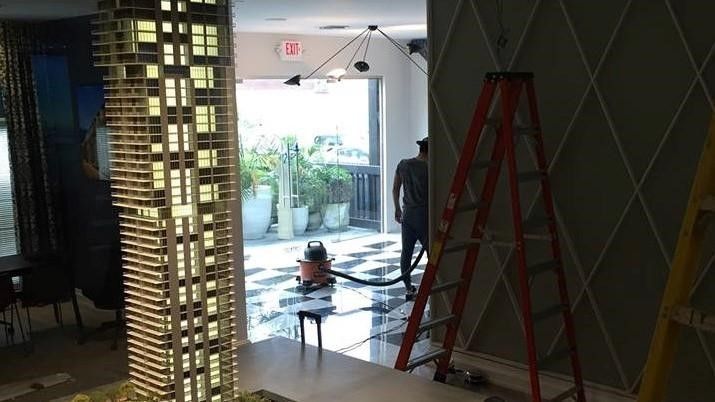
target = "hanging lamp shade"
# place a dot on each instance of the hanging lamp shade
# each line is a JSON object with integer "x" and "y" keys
{"x": 362, "y": 66}
{"x": 294, "y": 80}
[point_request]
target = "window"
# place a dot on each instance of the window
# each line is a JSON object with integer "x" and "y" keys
{"x": 8, "y": 241}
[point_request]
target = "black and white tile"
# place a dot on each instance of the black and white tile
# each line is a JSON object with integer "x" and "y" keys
{"x": 366, "y": 322}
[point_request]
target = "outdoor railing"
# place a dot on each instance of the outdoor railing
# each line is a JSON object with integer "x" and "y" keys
{"x": 366, "y": 204}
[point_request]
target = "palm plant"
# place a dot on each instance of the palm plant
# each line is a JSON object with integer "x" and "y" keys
{"x": 257, "y": 165}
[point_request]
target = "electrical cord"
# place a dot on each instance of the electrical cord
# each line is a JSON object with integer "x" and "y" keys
{"x": 382, "y": 304}
{"x": 378, "y": 283}
{"x": 356, "y": 345}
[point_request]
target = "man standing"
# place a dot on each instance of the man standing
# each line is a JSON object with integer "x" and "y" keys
{"x": 411, "y": 176}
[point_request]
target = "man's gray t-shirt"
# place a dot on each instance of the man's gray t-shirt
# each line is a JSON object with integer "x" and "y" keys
{"x": 413, "y": 173}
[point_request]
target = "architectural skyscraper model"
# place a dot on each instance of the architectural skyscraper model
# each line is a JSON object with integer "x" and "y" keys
{"x": 170, "y": 109}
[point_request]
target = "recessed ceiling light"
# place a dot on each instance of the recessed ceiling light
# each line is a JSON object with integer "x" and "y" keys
{"x": 276, "y": 19}
{"x": 333, "y": 27}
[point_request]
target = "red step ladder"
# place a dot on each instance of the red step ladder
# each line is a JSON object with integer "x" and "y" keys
{"x": 510, "y": 87}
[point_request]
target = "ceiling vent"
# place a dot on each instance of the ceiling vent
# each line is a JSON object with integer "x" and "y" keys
{"x": 333, "y": 27}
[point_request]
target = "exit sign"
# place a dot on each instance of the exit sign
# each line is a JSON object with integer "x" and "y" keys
{"x": 291, "y": 50}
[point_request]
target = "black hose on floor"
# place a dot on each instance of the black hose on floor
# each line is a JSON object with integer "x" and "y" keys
{"x": 378, "y": 283}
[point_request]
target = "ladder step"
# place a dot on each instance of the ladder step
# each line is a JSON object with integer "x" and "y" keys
{"x": 519, "y": 129}
{"x": 445, "y": 286}
{"x": 472, "y": 206}
{"x": 527, "y": 236}
{"x": 542, "y": 267}
{"x": 456, "y": 248}
{"x": 708, "y": 204}
{"x": 494, "y": 242}
{"x": 436, "y": 322}
{"x": 530, "y": 176}
{"x": 691, "y": 317}
{"x": 553, "y": 357}
{"x": 548, "y": 312}
{"x": 565, "y": 395}
{"x": 483, "y": 164}
{"x": 426, "y": 358}
{"x": 536, "y": 222}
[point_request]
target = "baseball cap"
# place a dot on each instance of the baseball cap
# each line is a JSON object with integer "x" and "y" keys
{"x": 423, "y": 141}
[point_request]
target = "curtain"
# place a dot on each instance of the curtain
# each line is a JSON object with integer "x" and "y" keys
{"x": 35, "y": 206}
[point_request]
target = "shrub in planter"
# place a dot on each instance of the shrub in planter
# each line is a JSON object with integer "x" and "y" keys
{"x": 338, "y": 186}
{"x": 257, "y": 165}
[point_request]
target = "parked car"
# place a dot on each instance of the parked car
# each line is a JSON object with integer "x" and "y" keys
{"x": 330, "y": 140}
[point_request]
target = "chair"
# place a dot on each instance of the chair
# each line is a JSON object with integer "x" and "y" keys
{"x": 8, "y": 303}
{"x": 49, "y": 283}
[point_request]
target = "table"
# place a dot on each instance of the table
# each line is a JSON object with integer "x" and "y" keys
{"x": 307, "y": 374}
{"x": 15, "y": 265}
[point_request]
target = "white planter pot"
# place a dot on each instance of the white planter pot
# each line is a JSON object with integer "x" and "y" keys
{"x": 337, "y": 216}
{"x": 256, "y": 214}
{"x": 300, "y": 220}
{"x": 315, "y": 221}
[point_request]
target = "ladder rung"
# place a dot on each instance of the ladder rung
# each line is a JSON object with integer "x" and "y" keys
{"x": 458, "y": 247}
{"x": 519, "y": 129}
{"x": 471, "y": 206}
{"x": 493, "y": 242}
{"x": 436, "y": 322}
{"x": 554, "y": 357}
{"x": 691, "y": 317}
{"x": 483, "y": 164}
{"x": 530, "y": 176}
{"x": 542, "y": 267}
{"x": 527, "y": 236}
{"x": 536, "y": 222}
{"x": 494, "y": 122}
{"x": 549, "y": 312}
{"x": 544, "y": 237}
{"x": 445, "y": 286}
{"x": 426, "y": 358}
{"x": 565, "y": 395}
{"x": 708, "y": 203}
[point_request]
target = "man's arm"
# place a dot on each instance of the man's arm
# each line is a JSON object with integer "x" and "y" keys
{"x": 396, "y": 186}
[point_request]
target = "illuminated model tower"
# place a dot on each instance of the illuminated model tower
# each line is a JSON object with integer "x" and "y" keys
{"x": 170, "y": 108}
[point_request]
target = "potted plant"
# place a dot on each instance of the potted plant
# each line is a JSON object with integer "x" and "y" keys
{"x": 257, "y": 166}
{"x": 311, "y": 188}
{"x": 338, "y": 186}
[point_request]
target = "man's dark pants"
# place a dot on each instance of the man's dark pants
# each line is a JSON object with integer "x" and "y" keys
{"x": 414, "y": 228}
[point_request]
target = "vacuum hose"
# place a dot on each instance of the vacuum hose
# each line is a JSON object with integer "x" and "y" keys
{"x": 378, "y": 283}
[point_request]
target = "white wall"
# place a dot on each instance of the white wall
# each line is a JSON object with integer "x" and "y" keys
{"x": 418, "y": 99}
{"x": 404, "y": 95}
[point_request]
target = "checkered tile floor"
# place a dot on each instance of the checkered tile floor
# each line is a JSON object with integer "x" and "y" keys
{"x": 360, "y": 321}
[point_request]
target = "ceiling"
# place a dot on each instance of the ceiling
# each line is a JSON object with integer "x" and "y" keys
{"x": 402, "y": 19}
{"x": 45, "y": 9}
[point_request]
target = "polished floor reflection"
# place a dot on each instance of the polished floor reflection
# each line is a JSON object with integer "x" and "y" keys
{"x": 357, "y": 320}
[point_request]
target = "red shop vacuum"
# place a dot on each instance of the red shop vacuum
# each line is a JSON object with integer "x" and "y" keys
{"x": 314, "y": 267}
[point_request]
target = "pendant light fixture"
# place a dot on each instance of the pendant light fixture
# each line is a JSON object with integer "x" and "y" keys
{"x": 361, "y": 65}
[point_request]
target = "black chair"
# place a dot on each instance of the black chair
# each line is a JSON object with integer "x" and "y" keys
{"x": 49, "y": 283}
{"x": 8, "y": 304}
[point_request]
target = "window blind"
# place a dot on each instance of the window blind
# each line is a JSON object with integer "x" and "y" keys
{"x": 8, "y": 241}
